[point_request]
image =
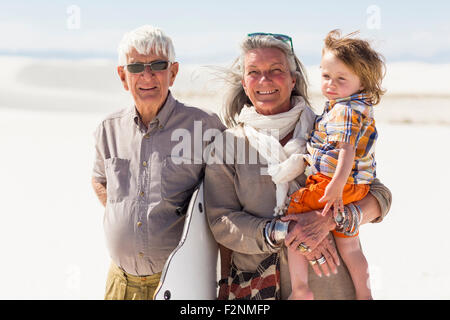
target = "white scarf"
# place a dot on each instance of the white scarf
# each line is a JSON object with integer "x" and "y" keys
{"x": 284, "y": 163}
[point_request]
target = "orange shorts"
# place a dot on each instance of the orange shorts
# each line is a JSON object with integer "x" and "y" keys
{"x": 307, "y": 199}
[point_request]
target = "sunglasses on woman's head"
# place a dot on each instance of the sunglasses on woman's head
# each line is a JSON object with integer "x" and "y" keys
{"x": 278, "y": 36}
{"x": 154, "y": 66}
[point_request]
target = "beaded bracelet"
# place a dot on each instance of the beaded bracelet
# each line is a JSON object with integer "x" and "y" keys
{"x": 355, "y": 213}
{"x": 348, "y": 222}
{"x": 341, "y": 220}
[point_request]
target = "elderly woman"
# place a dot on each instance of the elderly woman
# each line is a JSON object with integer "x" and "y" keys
{"x": 266, "y": 111}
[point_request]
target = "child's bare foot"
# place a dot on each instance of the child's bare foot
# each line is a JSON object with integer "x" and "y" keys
{"x": 301, "y": 293}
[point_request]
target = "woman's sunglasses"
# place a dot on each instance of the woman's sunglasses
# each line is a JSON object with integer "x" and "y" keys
{"x": 154, "y": 66}
{"x": 278, "y": 36}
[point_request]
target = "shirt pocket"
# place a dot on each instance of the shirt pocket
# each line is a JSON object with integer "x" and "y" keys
{"x": 179, "y": 177}
{"x": 117, "y": 179}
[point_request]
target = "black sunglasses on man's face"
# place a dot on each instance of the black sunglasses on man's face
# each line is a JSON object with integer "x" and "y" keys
{"x": 154, "y": 66}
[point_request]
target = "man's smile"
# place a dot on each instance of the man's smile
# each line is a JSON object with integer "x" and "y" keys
{"x": 147, "y": 88}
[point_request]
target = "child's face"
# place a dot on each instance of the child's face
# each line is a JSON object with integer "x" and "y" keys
{"x": 338, "y": 80}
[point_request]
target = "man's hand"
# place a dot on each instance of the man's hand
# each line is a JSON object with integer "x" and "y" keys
{"x": 100, "y": 191}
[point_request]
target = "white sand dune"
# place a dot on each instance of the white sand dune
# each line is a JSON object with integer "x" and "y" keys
{"x": 51, "y": 231}
{"x": 416, "y": 92}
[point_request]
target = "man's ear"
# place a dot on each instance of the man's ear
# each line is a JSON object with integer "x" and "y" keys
{"x": 122, "y": 76}
{"x": 173, "y": 72}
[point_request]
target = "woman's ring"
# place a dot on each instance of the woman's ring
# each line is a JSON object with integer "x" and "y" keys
{"x": 303, "y": 247}
{"x": 321, "y": 260}
{"x": 312, "y": 262}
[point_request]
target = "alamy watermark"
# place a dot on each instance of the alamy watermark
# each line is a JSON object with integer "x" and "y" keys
{"x": 216, "y": 147}
{"x": 73, "y": 21}
{"x": 73, "y": 278}
{"x": 373, "y": 17}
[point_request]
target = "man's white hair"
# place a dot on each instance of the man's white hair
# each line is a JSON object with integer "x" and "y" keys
{"x": 146, "y": 39}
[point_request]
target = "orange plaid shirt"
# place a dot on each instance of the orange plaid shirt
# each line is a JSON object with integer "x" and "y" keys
{"x": 348, "y": 120}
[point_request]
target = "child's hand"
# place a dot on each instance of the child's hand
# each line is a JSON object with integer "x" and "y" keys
{"x": 333, "y": 197}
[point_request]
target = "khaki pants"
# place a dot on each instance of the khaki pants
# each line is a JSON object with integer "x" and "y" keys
{"x": 124, "y": 286}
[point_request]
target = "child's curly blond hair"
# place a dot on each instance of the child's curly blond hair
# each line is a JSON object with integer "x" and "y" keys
{"x": 365, "y": 62}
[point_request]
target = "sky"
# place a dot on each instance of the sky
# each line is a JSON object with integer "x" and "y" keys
{"x": 210, "y": 31}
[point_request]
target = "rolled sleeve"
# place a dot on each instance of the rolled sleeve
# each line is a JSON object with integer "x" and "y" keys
{"x": 383, "y": 196}
{"x": 98, "y": 172}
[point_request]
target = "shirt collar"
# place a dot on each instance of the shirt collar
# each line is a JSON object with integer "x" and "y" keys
{"x": 166, "y": 110}
{"x": 163, "y": 114}
{"x": 361, "y": 97}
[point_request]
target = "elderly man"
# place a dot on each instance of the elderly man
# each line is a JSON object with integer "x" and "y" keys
{"x": 144, "y": 187}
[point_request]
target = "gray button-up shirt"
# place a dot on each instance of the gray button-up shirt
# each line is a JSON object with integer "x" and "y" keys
{"x": 150, "y": 175}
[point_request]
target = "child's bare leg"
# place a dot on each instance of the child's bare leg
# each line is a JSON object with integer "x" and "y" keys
{"x": 357, "y": 265}
{"x": 298, "y": 269}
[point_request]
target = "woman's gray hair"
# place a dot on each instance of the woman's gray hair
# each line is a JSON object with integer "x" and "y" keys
{"x": 235, "y": 98}
{"x": 146, "y": 39}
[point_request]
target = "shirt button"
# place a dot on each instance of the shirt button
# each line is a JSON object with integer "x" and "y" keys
{"x": 144, "y": 163}
{"x": 139, "y": 224}
{"x": 141, "y": 193}
{"x": 141, "y": 254}
{"x": 147, "y": 136}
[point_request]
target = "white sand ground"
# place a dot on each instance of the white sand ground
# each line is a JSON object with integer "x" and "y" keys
{"x": 51, "y": 235}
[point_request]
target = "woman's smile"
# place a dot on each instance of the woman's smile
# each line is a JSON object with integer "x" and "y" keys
{"x": 267, "y": 92}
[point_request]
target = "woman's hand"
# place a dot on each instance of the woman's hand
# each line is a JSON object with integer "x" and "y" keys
{"x": 326, "y": 249}
{"x": 223, "y": 291}
{"x": 309, "y": 228}
{"x": 225, "y": 266}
